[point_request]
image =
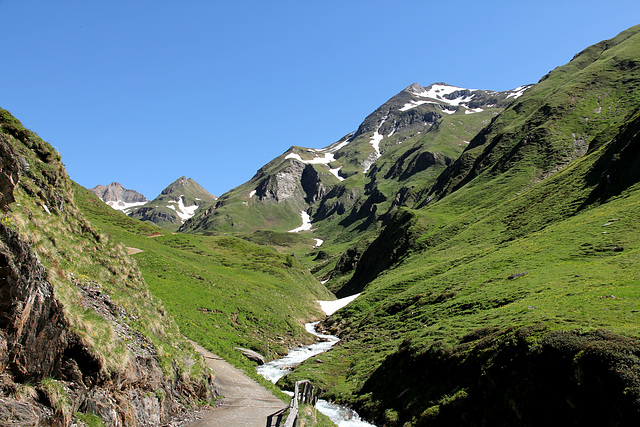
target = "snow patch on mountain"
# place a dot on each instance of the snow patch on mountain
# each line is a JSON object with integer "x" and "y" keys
{"x": 518, "y": 92}
{"x": 306, "y": 223}
{"x": 439, "y": 91}
{"x": 335, "y": 172}
{"x": 330, "y": 307}
{"x": 413, "y": 104}
{"x": 184, "y": 212}
{"x": 375, "y": 142}
{"x": 124, "y": 206}
{"x": 376, "y": 138}
{"x": 318, "y": 160}
{"x": 253, "y": 193}
{"x": 338, "y": 145}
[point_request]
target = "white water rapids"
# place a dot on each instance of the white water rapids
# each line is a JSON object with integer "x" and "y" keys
{"x": 276, "y": 369}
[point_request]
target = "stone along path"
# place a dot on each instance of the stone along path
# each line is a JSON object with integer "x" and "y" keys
{"x": 244, "y": 402}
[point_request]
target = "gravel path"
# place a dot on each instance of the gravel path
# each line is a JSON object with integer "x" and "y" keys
{"x": 244, "y": 403}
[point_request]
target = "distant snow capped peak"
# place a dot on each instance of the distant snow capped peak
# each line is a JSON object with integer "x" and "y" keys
{"x": 452, "y": 95}
{"x": 451, "y": 98}
{"x": 118, "y": 197}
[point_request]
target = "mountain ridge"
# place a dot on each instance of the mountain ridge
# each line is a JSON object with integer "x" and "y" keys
{"x": 118, "y": 197}
{"x": 175, "y": 204}
{"x": 302, "y": 178}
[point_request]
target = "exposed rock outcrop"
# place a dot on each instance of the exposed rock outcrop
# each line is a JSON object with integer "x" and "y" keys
{"x": 52, "y": 363}
{"x": 115, "y": 192}
{"x": 283, "y": 185}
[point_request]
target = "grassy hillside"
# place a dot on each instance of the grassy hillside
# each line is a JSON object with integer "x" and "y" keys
{"x": 113, "y": 324}
{"x": 223, "y": 291}
{"x": 509, "y": 294}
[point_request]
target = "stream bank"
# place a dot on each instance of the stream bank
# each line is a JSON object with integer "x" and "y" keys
{"x": 276, "y": 369}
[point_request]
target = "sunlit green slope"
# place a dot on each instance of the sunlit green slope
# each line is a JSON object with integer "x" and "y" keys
{"x": 509, "y": 294}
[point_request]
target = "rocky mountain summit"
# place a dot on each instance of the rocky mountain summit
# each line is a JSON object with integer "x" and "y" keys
{"x": 418, "y": 131}
{"x": 118, "y": 197}
{"x": 175, "y": 204}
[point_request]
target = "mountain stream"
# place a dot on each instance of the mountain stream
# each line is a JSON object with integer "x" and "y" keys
{"x": 276, "y": 369}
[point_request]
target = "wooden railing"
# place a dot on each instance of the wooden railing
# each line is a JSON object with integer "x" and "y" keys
{"x": 304, "y": 392}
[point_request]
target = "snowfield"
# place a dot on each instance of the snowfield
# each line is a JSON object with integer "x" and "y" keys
{"x": 335, "y": 172}
{"x": 306, "y": 223}
{"x": 184, "y": 212}
{"x": 517, "y": 92}
{"x": 330, "y": 307}
{"x": 325, "y": 160}
{"x": 438, "y": 91}
{"x": 124, "y": 207}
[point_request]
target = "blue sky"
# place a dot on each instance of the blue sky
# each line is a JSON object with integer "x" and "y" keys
{"x": 144, "y": 92}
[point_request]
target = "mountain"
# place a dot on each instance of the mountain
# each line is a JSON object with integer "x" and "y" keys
{"x": 118, "y": 197}
{"x": 82, "y": 340}
{"x": 411, "y": 137}
{"x": 504, "y": 292}
{"x": 493, "y": 239}
{"x": 175, "y": 204}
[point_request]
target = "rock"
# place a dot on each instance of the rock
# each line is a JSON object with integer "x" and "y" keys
{"x": 516, "y": 275}
{"x": 9, "y": 169}
{"x": 115, "y": 192}
{"x": 251, "y": 355}
{"x": 19, "y": 413}
{"x": 37, "y": 341}
{"x": 283, "y": 185}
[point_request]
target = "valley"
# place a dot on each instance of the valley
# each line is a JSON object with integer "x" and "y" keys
{"x": 492, "y": 240}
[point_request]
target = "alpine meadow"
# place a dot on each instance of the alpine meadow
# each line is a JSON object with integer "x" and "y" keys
{"x": 492, "y": 239}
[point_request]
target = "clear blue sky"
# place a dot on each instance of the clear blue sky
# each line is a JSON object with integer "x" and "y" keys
{"x": 143, "y": 92}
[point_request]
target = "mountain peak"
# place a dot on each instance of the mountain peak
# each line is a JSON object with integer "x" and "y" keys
{"x": 188, "y": 187}
{"x": 175, "y": 204}
{"x": 413, "y": 88}
{"x": 118, "y": 197}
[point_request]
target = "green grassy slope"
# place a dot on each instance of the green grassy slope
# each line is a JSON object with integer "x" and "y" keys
{"x": 512, "y": 294}
{"x": 86, "y": 268}
{"x": 223, "y": 291}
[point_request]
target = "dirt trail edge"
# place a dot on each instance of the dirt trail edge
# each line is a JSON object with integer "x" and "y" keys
{"x": 244, "y": 402}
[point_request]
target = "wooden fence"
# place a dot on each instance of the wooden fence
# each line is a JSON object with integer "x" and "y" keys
{"x": 304, "y": 392}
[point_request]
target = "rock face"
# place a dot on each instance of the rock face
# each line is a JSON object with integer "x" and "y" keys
{"x": 115, "y": 192}
{"x": 50, "y": 366}
{"x": 284, "y": 185}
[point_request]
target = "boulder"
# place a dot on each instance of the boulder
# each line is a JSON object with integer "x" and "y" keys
{"x": 252, "y": 355}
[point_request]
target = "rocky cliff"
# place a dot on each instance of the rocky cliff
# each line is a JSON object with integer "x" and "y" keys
{"x": 75, "y": 342}
{"x": 115, "y": 192}
{"x": 118, "y": 197}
